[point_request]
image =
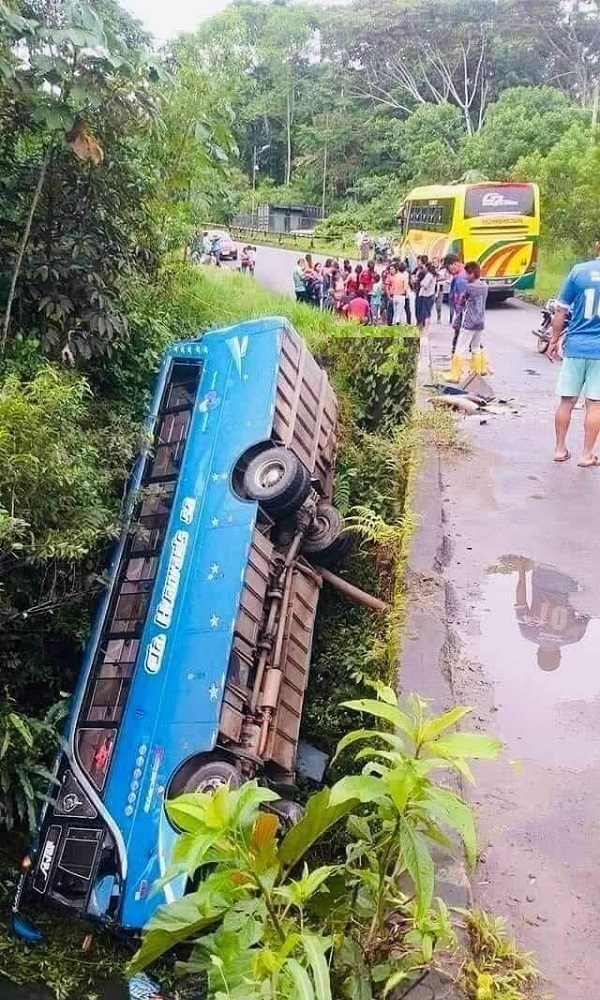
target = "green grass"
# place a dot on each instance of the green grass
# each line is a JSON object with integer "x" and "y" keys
{"x": 219, "y": 297}
{"x": 554, "y": 264}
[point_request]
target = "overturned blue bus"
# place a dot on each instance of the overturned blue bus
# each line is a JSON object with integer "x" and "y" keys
{"x": 195, "y": 671}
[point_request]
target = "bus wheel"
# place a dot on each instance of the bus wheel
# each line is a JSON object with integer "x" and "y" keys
{"x": 326, "y": 543}
{"x": 212, "y": 776}
{"x": 277, "y": 480}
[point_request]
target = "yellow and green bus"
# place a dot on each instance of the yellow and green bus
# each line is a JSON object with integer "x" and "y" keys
{"x": 496, "y": 224}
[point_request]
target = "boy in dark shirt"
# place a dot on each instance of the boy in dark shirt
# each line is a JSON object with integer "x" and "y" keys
{"x": 469, "y": 349}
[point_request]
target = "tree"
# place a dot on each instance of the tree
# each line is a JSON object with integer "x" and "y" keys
{"x": 429, "y": 146}
{"x": 426, "y": 51}
{"x": 523, "y": 119}
{"x": 190, "y": 147}
{"x": 73, "y": 95}
{"x": 569, "y": 179}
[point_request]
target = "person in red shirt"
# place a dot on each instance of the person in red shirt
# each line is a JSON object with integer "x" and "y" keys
{"x": 358, "y": 308}
{"x": 367, "y": 278}
{"x": 353, "y": 281}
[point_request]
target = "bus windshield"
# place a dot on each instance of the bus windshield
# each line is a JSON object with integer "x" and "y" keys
{"x": 499, "y": 199}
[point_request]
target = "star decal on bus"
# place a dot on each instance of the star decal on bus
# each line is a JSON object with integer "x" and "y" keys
{"x": 214, "y": 571}
{"x": 214, "y": 621}
{"x": 214, "y": 522}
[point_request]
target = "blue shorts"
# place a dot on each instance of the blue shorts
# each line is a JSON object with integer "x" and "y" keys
{"x": 577, "y": 376}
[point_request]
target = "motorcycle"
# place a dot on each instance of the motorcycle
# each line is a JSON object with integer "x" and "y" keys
{"x": 544, "y": 330}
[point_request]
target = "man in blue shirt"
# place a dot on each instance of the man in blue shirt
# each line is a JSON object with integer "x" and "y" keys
{"x": 580, "y": 369}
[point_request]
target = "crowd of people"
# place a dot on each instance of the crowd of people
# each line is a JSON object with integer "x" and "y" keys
{"x": 395, "y": 295}
{"x": 381, "y": 297}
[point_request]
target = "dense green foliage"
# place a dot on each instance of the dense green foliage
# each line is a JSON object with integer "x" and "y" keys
{"x": 373, "y": 97}
{"x": 264, "y": 927}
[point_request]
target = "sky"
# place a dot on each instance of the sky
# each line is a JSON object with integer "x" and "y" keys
{"x": 166, "y": 18}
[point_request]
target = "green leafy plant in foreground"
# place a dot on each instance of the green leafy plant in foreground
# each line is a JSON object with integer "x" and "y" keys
{"x": 24, "y": 743}
{"x": 264, "y": 923}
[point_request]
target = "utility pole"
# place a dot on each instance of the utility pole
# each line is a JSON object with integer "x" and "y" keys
{"x": 324, "y": 180}
{"x": 595, "y": 110}
{"x": 256, "y": 153}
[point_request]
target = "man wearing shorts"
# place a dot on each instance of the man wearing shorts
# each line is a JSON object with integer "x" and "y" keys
{"x": 580, "y": 369}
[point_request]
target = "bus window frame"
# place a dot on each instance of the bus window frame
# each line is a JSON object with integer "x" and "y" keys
{"x": 143, "y": 542}
{"x": 443, "y": 228}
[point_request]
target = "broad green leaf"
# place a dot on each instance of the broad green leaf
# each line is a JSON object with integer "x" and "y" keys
{"x": 357, "y": 788}
{"x": 357, "y": 984}
{"x": 381, "y": 710}
{"x": 173, "y": 923}
{"x": 247, "y": 801}
{"x": 367, "y": 734}
{"x": 419, "y": 864}
{"x": 381, "y": 972}
{"x": 402, "y": 783}
{"x": 369, "y": 752}
{"x": 387, "y": 694}
{"x": 476, "y": 746}
{"x": 455, "y": 813}
{"x": 299, "y": 975}
{"x": 319, "y": 817}
{"x": 431, "y": 729}
{"x": 359, "y": 828}
{"x": 188, "y": 812}
{"x": 425, "y": 765}
{"x": 315, "y": 949}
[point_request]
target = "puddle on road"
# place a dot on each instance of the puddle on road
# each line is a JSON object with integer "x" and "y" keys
{"x": 539, "y": 645}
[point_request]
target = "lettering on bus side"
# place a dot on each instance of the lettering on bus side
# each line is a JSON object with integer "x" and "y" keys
{"x": 47, "y": 857}
{"x": 155, "y": 653}
{"x": 164, "y": 612}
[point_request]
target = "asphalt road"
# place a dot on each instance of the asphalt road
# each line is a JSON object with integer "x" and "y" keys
{"x": 523, "y": 610}
{"x": 520, "y": 575}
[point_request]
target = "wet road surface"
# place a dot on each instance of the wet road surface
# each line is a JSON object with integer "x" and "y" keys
{"x": 523, "y": 606}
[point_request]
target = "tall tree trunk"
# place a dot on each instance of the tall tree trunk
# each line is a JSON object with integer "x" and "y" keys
{"x": 22, "y": 247}
{"x": 288, "y": 123}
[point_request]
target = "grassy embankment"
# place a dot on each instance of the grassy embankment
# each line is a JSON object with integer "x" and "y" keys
{"x": 374, "y": 381}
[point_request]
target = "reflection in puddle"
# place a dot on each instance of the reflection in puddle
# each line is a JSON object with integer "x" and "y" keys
{"x": 540, "y": 649}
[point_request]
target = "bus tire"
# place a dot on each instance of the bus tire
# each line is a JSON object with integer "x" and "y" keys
{"x": 277, "y": 481}
{"x": 326, "y": 543}
{"x": 213, "y": 775}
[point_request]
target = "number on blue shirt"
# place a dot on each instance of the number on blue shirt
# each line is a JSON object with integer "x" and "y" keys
{"x": 592, "y": 304}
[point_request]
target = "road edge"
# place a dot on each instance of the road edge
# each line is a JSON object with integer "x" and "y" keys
{"x": 427, "y": 644}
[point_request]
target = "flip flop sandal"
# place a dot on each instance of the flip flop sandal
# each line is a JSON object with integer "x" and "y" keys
{"x": 590, "y": 465}
{"x": 565, "y": 457}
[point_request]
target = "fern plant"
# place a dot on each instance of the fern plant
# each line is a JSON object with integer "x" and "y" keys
{"x": 25, "y": 746}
